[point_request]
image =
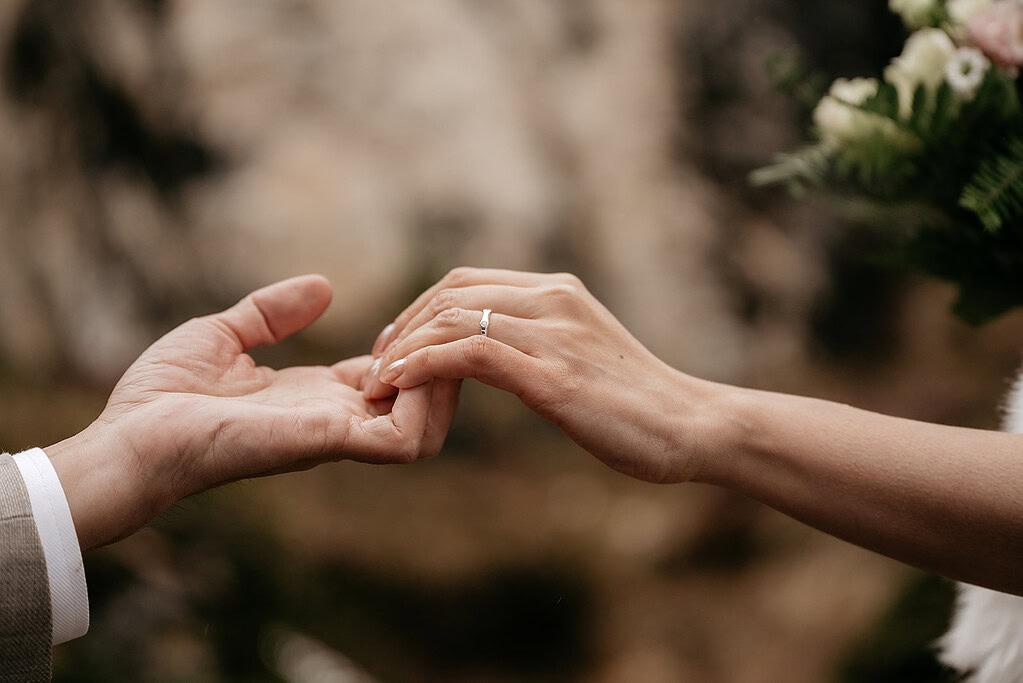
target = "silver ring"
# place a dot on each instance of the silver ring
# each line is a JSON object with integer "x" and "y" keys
{"x": 485, "y": 321}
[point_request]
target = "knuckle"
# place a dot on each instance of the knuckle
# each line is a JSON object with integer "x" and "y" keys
{"x": 445, "y": 299}
{"x": 556, "y": 377}
{"x": 570, "y": 279}
{"x": 478, "y": 349}
{"x": 450, "y": 318}
{"x": 419, "y": 359}
{"x": 408, "y": 451}
{"x": 430, "y": 446}
{"x": 458, "y": 275}
{"x": 565, "y": 290}
{"x": 561, "y": 294}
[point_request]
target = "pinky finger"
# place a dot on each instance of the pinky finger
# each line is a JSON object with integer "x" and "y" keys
{"x": 477, "y": 357}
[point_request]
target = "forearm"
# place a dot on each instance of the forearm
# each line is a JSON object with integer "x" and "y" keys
{"x": 946, "y": 499}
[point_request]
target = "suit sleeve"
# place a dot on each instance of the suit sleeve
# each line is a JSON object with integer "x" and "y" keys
{"x": 25, "y": 615}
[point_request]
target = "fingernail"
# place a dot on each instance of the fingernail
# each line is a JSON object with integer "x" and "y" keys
{"x": 375, "y": 368}
{"x": 383, "y": 339}
{"x": 393, "y": 371}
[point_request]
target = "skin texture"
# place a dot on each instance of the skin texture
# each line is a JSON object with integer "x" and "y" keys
{"x": 195, "y": 411}
{"x": 946, "y": 499}
{"x": 560, "y": 351}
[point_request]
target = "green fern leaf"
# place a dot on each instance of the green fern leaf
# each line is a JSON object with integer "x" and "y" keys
{"x": 805, "y": 167}
{"x": 995, "y": 193}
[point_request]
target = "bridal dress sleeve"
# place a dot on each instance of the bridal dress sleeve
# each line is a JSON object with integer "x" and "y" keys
{"x": 986, "y": 635}
{"x": 43, "y": 595}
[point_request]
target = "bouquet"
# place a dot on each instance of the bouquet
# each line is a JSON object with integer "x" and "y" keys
{"x": 932, "y": 152}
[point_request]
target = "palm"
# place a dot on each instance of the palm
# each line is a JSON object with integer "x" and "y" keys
{"x": 205, "y": 364}
{"x": 222, "y": 417}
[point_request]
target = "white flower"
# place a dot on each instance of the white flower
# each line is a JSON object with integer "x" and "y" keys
{"x": 923, "y": 62}
{"x": 961, "y": 11}
{"x": 915, "y": 13}
{"x": 966, "y": 70}
{"x": 855, "y": 91}
{"x": 838, "y": 116}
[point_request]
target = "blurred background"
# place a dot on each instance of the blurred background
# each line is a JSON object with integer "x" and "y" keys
{"x": 161, "y": 158}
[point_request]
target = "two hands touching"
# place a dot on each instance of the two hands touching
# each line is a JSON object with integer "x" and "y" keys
{"x": 195, "y": 411}
{"x": 557, "y": 348}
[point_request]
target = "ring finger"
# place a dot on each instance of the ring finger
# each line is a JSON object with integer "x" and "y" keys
{"x": 461, "y": 278}
{"x": 510, "y": 300}
{"x": 451, "y": 325}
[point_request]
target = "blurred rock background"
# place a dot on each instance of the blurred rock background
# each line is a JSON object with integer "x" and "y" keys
{"x": 161, "y": 158}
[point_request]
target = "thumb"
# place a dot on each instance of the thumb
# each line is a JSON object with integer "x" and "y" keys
{"x": 276, "y": 311}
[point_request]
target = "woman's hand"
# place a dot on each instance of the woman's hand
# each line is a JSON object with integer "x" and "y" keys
{"x": 195, "y": 411}
{"x": 553, "y": 345}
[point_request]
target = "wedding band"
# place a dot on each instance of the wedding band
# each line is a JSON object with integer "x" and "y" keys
{"x": 485, "y": 321}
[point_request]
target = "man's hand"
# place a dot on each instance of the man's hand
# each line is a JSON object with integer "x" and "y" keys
{"x": 195, "y": 411}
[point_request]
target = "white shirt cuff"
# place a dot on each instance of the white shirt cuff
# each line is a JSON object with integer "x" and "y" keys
{"x": 69, "y": 596}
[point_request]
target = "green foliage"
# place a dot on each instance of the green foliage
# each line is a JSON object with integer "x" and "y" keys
{"x": 995, "y": 194}
{"x": 808, "y": 166}
{"x": 987, "y": 266}
{"x": 945, "y": 180}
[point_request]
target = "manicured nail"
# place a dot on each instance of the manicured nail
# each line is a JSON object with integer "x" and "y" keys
{"x": 375, "y": 368}
{"x": 383, "y": 339}
{"x": 393, "y": 371}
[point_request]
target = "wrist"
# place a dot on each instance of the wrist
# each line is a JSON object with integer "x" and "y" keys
{"x": 684, "y": 437}
{"x": 100, "y": 482}
{"x": 717, "y": 436}
{"x": 748, "y": 434}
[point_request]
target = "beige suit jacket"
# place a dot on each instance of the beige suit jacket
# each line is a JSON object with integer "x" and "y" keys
{"x": 25, "y": 616}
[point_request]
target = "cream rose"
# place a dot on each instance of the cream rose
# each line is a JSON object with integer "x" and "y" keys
{"x": 915, "y": 13}
{"x": 838, "y": 116}
{"x": 924, "y": 60}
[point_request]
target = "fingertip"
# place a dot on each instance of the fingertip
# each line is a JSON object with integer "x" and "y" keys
{"x": 271, "y": 313}
{"x": 320, "y": 280}
{"x": 393, "y": 371}
{"x": 315, "y": 288}
{"x": 308, "y": 293}
{"x": 321, "y": 289}
{"x": 375, "y": 390}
